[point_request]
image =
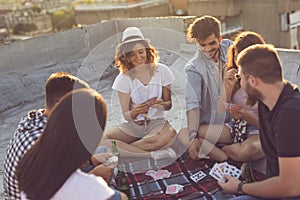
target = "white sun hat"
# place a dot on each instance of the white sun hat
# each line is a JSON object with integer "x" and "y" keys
{"x": 132, "y": 34}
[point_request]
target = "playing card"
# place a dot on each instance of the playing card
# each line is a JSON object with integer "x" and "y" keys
{"x": 152, "y": 101}
{"x": 222, "y": 166}
{"x": 112, "y": 159}
{"x": 217, "y": 173}
{"x": 232, "y": 106}
{"x": 226, "y": 104}
{"x": 198, "y": 176}
{"x": 150, "y": 172}
{"x": 232, "y": 171}
{"x": 161, "y": 174}
{"x": 174, "y": 189}
{"x": 158, "y": 174}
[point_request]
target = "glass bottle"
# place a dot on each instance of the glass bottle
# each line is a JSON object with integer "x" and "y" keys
{"x": 120, "y": 177}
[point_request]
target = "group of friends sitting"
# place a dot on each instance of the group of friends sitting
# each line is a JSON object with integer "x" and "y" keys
{"x": 239, "y": 109}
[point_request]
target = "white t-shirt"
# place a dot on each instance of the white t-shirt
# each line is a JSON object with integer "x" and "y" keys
{"x": 140, "y": 93}
{"x": 81, "y": 186}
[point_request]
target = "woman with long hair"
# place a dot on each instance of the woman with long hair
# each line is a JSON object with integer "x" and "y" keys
{"x": 50, "y": 169}
{"x": 144, "y": 89}
{"x": 241, "y": 134}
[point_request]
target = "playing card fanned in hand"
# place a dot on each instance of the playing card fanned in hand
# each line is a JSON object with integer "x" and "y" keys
{"x": 217, "y": 173}
{"x": 221, "y": 169}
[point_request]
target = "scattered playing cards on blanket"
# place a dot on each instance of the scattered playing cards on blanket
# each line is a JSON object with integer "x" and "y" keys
{"x": 159, "y": 174}
{"x": 174, "y": 189}
{"x": 198, "y": 176}
{"x": 221, "y": 169}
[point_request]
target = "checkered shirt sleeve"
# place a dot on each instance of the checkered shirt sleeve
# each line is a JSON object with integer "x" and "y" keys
{"x": 28, "y": 131}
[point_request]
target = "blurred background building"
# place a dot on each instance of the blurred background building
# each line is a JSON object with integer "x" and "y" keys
{"x": 277, "y": 20}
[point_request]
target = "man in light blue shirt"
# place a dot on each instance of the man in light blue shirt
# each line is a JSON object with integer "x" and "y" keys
{"x": 204, "y": 82}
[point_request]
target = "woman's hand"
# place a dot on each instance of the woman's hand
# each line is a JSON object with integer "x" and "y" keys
{"x": 158, "y": 104}
{"x": 237, "y": 113}
{"x": 139, "y": 109}
{"x": 229, "y": 77}
{"x": 101, "y": 158}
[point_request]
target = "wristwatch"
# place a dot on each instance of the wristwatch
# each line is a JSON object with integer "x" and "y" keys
{"x": 240, "y": 187}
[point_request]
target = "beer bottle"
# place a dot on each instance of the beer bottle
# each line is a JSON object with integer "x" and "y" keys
{"x": 120, "y": 177}
{"x": 115, "y": 149}
{"x": 248, "y": 172}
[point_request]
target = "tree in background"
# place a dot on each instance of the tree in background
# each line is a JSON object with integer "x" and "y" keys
{"x": 63, "y": 19}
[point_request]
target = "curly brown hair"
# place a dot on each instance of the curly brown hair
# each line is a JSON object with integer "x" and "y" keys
{"x": 203, "y": 27}
{"x": 122, "y": 57}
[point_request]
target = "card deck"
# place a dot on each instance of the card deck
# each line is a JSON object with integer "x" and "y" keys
{"x": 198, "y": 176}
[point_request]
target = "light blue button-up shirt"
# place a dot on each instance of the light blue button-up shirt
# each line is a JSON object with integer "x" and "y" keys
{"x": 202, "y": 91}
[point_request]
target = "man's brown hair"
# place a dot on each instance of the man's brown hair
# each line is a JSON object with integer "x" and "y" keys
{"x": 203, "y": 27}
{"x": 59, "y": 84}
{"x": 261, "y": 60}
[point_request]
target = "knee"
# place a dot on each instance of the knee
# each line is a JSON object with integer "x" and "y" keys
{"x": 248, "y": 152}
{"x": 165, "y": 138}
{"x": 109, "y": 134}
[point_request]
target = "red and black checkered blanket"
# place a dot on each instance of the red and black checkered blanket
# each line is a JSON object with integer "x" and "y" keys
{"x": 146, "y": 188}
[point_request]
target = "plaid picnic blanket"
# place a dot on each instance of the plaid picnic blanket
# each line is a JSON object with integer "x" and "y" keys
{"x": 144, "y": 187}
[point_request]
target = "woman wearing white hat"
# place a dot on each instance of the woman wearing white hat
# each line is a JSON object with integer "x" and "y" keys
{"x": 144, "y": 89}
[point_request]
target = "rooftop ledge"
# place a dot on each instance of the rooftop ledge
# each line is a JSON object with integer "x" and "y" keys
{"x": 82, "y": 7}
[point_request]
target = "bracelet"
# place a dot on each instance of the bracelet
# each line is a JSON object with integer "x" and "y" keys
{"x": 192, "y": 131}
{"x": 240, "y": 187}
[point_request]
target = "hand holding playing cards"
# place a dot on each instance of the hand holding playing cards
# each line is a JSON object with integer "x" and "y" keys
{"x": 239, "y": 114}
{"x": 222, "y": 170}
{"x": 230, "y": 185}
{"x": 101, "y": 158}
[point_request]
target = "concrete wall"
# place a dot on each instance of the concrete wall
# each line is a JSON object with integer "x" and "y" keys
{"x": 25, "y": 65}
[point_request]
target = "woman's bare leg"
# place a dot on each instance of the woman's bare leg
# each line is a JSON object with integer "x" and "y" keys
{"x": 158, "y": 140}
{"x": 247, "y": 151}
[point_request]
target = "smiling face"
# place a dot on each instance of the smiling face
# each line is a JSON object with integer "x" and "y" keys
{"x": 138, "y": 55}
{"x": 210, "y": 46}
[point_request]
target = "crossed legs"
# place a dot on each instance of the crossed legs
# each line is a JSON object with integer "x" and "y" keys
{"x": 210, "y": 135}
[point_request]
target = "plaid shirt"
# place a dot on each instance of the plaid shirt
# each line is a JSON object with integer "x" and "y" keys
{"x": 28, "y": 131}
